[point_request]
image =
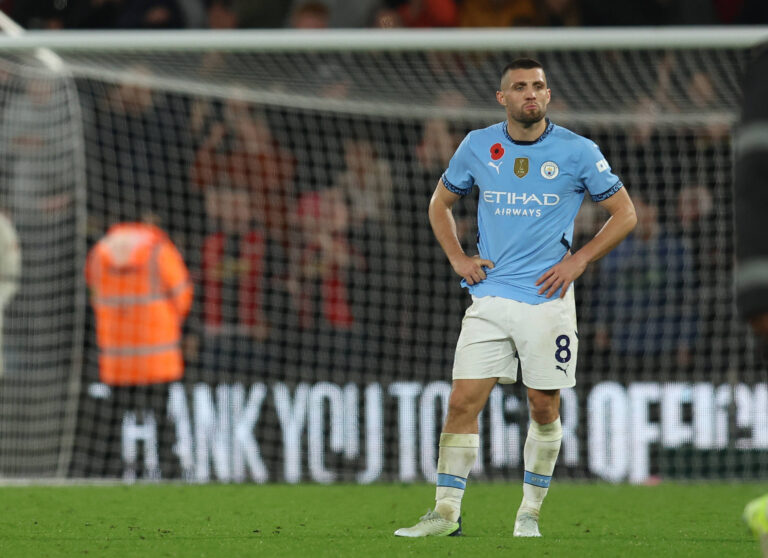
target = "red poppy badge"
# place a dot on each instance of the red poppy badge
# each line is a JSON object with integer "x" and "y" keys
{"x": 497, "y": 151}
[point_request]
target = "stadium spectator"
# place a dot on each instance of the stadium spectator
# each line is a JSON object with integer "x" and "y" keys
{"x": 150, "y": 14}
{"x": 339, "y": 13}
{"x": 387, "y": 18}
{"x": 261, "y": 14}
{"x": 193, "y": 13}
{"x": 695, "y": 216}
{"x": 641, "y": 316}
{"x": 93, "y": 14}
{"x": 10, "y": 277}
{"x": 139, "y": 155}
{"x": 39, "y": 14}
{"x": 240, "y": 151}
{"x": 141, "y": 295}
{"x": 247, "y": 180}
{"x": 497, "y": 13}
{"x": 235, "y": 274}
{"x": 223, "y": 15}
{"x": 27, "y": 116}
{"x": 367, "y": 186}
{"x": 698, "y": 224}
{"x": 701, "y": 90}
{"x": 420, "y": 13}
{"x": 321, "y": 286}
{"x": 558, "y": 13}
{"x": 310, "y": 15}
{"x": 703, "y": 96}
{"x": 329, "y": 337}
{"x": 437, "y": 144}
{"x": 366, "y": 183}
{"x": 125, "y": 14}
{"x": 361, "y": 13}
{"x": 333, "y": 79}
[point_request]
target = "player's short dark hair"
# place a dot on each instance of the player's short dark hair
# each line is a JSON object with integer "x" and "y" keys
{"x": 521, "y": 64}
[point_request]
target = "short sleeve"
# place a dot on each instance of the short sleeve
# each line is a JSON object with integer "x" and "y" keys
{"x": 458, "y": 176}
{"x": 597, "y": 176}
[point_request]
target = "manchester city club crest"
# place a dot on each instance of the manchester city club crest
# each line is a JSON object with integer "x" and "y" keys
{"x": 521, "y": 166}
{"x": 550, "y": 170}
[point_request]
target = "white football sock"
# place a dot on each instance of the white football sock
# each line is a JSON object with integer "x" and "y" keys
{"x": 540, "y": 454}
{"x": 458, "y": 453}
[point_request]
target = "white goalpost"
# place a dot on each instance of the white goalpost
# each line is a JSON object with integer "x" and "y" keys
{"x": 292, "y": 171}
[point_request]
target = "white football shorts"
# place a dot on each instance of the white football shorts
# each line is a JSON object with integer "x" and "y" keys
{"x": 500, "y": 337}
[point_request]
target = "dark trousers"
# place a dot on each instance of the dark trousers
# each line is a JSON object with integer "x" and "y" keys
{"x": 131, "y": 435}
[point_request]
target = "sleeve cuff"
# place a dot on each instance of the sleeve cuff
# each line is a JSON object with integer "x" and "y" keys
{"x": 608, "y": 193}
{"x": 452, "y": 188}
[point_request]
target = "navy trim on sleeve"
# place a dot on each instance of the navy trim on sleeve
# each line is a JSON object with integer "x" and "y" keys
{"x": 608, "y": 193}
{"x": 453, "y": 188}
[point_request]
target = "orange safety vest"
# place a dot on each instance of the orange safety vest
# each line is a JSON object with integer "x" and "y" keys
{"x": 141, "y": 293}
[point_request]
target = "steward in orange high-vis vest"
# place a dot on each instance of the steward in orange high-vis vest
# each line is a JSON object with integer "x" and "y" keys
{"x": 141, "y": 293}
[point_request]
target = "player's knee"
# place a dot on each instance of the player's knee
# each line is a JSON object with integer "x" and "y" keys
{"x": 545, "y": 416}
{"x": 462, "y": 405}
{"x": 543, "y": 407}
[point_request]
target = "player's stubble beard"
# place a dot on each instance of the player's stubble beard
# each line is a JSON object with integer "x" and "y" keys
{"x": 529, "y": 118}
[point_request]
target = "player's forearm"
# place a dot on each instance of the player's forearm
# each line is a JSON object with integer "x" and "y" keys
{"x": 444, "y": 227}
{"x": 616, "y": 229}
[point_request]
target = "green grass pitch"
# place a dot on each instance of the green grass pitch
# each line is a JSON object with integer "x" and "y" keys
{"x": 232, "y": 521}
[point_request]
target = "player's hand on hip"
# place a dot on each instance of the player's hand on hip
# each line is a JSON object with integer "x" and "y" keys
{"x": 561, "y": 276}
{"x": 472, "y": 269}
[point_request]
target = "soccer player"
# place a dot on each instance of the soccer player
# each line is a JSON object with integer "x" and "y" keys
{"x": 751, "y": 197}
{"x": 532, "y": 176}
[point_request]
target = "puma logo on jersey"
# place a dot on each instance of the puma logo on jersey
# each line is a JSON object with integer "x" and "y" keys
{"x": 565, "y": 370}
{"x": 490, "y": 164}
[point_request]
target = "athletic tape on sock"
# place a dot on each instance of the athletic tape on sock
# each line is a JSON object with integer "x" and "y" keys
{"x": 448, "y": 440}
{"x": 542, "y": 481}
{"x": 451, "y": 481}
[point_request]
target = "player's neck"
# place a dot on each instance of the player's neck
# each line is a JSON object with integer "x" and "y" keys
{"x": 521, "y": 132}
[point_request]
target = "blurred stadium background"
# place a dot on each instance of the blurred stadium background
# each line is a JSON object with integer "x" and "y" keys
{"x": 293, "y": 167}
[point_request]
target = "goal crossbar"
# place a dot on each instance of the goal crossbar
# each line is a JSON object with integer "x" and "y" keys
{"x": 397, "y": 40}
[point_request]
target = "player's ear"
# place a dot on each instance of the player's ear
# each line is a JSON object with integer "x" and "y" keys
{"x": 500, "y": 98}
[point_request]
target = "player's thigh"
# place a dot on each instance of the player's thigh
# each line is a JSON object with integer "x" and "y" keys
{"x": 547, "y": 340}
{"x": 485, "y": 348}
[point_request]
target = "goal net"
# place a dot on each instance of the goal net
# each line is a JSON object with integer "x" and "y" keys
{"x": 292, "y": 171}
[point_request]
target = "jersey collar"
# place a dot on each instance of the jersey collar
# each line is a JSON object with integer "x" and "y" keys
{"x": 547, "y": 130}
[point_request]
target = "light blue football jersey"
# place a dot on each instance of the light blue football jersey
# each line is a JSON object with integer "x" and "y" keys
{"x": 530, "y": 193}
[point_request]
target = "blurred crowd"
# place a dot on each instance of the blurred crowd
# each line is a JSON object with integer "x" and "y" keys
{"x": 298, "y": 225}
{"x": 319, "y": 14}
{"x": 308, "y": 244}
